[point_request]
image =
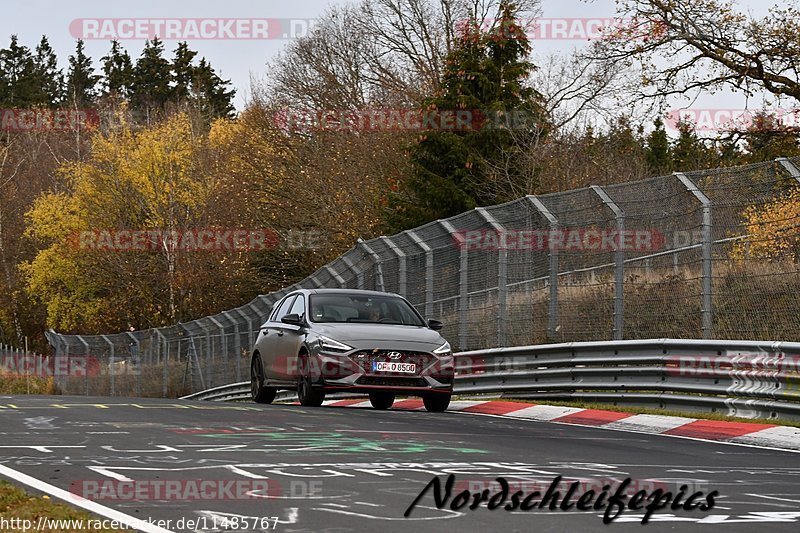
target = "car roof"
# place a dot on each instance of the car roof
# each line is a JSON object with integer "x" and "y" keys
{"x": 348, "y": 291}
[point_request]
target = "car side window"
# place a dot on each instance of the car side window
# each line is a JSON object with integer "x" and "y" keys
{"x": 299, "y": 306}
{"x": 283, "y": 310}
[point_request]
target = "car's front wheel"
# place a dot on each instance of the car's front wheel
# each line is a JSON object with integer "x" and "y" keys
{"x": 308, "y": 395}
{"x": 258, "y": 391}
{"x": 381, "y": 400}
{"x": 436, "y": 403}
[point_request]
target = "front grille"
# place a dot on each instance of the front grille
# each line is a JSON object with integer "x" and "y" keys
{"x": 365, "y": 358}
{"x": 387, "y": 381}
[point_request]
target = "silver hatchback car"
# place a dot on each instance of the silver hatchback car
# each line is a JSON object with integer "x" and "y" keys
{"x": 323, "y": 340}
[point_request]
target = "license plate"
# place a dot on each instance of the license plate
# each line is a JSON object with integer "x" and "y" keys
{"x": 387, "y": 366}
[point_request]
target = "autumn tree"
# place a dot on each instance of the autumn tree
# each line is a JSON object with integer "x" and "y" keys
{"x": 455, "y": 170}
{"x": 773, "y": 229}
{"x": 681, "y": 48}
{"x": 151, "y": 178}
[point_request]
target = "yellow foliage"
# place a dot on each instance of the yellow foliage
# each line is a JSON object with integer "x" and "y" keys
{"x": 773, "y": 229}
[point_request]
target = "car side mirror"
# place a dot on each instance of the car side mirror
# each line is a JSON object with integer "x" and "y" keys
{"x": 293, "y": 319}
{"x": 435, "y": 324}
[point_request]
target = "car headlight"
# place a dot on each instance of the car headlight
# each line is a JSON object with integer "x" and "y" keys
{"x": 326, "y": 344}
{"x": 444, "y": 350}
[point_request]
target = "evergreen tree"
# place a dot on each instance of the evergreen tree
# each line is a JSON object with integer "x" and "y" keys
{"x": 689, "y": 152}
{"x": 624, "y": 142}
{"x": 117, "y": 72}
{"x": 81, "y": 79}
{"x": 151, "y": 78}
{"x": 657, "y": 153}
{"x": 211, "y": 93}
{"x": 49, "y": 77}
{"x": 767, "y": 138}
{"x": 20, "y": 87}
{"x": 183, "y": 72}
{"x": 454, "y": 169}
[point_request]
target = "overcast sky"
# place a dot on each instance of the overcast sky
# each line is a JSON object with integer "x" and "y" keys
{"x": 238, "y": 59}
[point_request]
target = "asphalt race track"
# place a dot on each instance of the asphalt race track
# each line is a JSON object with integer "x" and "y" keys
{"x": 331, "y": 469}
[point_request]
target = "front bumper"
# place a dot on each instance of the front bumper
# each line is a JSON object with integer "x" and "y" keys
{"x": 353, "y": 371}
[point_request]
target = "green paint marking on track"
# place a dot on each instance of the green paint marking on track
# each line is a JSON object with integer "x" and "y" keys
{"x": 336, "y": 443}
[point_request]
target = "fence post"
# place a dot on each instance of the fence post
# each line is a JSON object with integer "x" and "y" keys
{"x": 192, "y": 359}
{"x": 60, "y": 365}
{"x": 502, "y": 276}
{"x": 463, "y": 281}
{"x": 86, "y": 362}
{"x": 790, "y": 167}
{"x": 552, "y": 311}
{"x": 358, "y": 272}
{"x": 223, "y": 342}
{"x": 335, "y": 275}
{"x": 253, "y": 331}
{"x": 315, "y": 279}
{"x": 237, "y": 344}
{"x": 619, "y": 263}
{"x": 377, "y": 264}
{"x": 165, "y": 356}
{"x": 428, "y": 271}
{"x": 111, "y": 367}
{"x": 707, "y": 238}
{"x": 136, "y": 361}
{"x": 401, "y": 265}
{"x": 209, "y": 358}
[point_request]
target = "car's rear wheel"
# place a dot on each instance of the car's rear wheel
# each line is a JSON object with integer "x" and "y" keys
{"x": 381, "y": 400}
{"x": 436, "y": 403}
{"x": 308, "y": 395}
{"x": 258, "y": 391}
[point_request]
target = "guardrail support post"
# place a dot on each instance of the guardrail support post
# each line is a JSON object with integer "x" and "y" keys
{"x": 707, "y": 238}
{"x": 552, "y": 311}
{"x": 376, "y": 262}
{"x": 428, "y": 271}
{"x": 502, "y": 276}
{"x": 401, "y": 265}
{"x": 463, "y": 279}
{"x": 619, "y": 263}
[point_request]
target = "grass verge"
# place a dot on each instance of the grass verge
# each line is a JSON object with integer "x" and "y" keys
{"x": 15, "y": 384}
{"x": 15, "y": 503}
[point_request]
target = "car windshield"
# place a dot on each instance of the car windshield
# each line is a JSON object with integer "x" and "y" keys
{"x": 363, "y": 309}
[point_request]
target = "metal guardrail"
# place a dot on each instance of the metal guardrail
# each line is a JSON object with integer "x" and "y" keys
{"x": 748, "y": 379}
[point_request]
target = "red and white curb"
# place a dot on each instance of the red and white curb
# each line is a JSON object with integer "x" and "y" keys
{"x": 743, "y": 433}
